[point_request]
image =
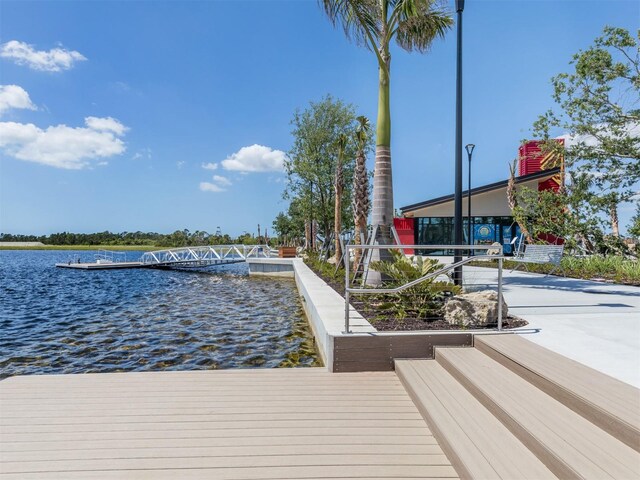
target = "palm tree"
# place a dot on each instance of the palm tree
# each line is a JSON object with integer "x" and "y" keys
{"x": 361, "y": 202}
{"x": 339, "y": 187}
{"x": 373, "y": 24}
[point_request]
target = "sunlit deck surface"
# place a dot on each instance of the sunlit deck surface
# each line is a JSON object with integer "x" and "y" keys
{"x": 234, "y": 424}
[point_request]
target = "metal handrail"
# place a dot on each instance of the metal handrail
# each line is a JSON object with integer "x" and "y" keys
{"x": 348, "y": 290}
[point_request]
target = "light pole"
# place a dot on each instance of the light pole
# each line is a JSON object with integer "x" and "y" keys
{"x": 457, "y": 215}
{"x": 469, "y": 148}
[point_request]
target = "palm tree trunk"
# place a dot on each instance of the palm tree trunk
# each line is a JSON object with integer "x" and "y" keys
{"x": 338, "y": 222}
{"x": 382, "y": 213}
{"x": 360, "y": 203}
{"x": 613, "y": 212}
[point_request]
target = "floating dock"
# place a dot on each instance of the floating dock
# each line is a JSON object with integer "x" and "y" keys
{"x": 102, "y": 266}
{"x": 185, "y": 257}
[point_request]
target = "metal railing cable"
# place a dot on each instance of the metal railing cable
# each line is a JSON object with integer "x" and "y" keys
{"x": 368, "y": 291}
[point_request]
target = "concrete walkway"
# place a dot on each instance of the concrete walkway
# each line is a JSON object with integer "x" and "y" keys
{"x": 596, "y": 324}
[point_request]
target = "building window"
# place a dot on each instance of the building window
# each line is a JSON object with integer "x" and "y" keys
{"x": 485, "y": 231}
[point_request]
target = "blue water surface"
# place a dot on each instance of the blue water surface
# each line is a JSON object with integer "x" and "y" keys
{"x": 56, "y": 320}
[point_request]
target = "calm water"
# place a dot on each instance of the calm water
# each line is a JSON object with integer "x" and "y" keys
{"x": 55, "y": 320}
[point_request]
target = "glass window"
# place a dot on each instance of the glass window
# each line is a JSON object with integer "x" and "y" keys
{"x": 485, "y": 231}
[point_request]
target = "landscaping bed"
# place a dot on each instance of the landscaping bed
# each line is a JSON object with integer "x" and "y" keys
{"x": 373, "y": 307}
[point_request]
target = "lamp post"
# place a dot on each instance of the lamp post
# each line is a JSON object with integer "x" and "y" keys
{"x": 469, "y": 148}
{"x": 457, "y": 215}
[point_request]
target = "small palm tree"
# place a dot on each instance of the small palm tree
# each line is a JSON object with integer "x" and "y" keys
{"x": 374, "y": 23}
{"x": 361, "y": 202}
{"x": 339, "y": 188}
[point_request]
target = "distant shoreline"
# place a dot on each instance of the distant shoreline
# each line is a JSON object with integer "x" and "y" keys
{"x": 79, "y": 247}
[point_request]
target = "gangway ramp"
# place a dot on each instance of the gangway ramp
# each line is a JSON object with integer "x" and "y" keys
{"x": 197, "y": 257}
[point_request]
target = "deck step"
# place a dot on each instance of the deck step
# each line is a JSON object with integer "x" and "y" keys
{"x": 607, "y": 402}
{"x": 567, "y": 443}
{"x": 476, "y": 443}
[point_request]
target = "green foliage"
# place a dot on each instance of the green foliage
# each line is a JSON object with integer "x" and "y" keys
{"x": 312, "y": 161}
{"x": 324, "y": 268}
{"x": 620, "y": 269}
{"x": 599, "y": 117}
{"x": 571, "y": 214}
{"x": 179, "y": 238}
{"x": 634, "y": 227}
{"x": 420, "y": 301}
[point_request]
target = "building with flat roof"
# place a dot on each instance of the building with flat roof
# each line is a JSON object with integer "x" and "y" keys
{"x": 430, "y": 222}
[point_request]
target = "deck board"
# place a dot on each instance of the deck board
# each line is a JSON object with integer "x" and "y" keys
{"x": 250, "y": 424}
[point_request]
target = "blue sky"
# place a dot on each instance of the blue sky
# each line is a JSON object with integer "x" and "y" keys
{"x": 146, "y": 93}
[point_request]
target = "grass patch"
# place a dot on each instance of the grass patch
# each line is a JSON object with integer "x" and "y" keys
{"x": 617, "y": 269}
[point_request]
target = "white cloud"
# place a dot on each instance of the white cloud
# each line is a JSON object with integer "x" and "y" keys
{"x": 106, "y": 124}
{"x": 220, "y": 180}
{"x": 54, "y": 60}
{"x": 61, "y": 146}
{"x": 143, "y": 153}
{"x": 210, "y": 187}
{"x": 210, "y": 166}
{"x": 256, "y": 158}
{"x": 13, "y": 96}
{"x": 180, "y": 164}
{"x": 632, "y": 130}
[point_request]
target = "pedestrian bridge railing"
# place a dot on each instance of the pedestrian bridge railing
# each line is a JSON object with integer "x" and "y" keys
{"x": 193, "y": 257}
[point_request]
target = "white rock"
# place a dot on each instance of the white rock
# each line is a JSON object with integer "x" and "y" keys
{"x": 475, "y": 309}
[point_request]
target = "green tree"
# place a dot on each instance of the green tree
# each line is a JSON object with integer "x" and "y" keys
{"x": 598, "y": 115}
{"x": 571, "y": 214}
{"x": 634, "y": 227}
{"x": 312, "y": 160}
{"x": 289, "y": 226}
{"x": 414, "y": 24}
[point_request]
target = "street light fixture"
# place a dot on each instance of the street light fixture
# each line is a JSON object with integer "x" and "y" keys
{"x": 469, "y": 148}
{"x": 457, "y": 210}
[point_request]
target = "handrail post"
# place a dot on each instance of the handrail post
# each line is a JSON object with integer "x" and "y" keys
{"x": 346, "y": 289}
{"x": 500, "y": 293}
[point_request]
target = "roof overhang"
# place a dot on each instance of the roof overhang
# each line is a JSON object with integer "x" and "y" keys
{"x": 542, "y": 175}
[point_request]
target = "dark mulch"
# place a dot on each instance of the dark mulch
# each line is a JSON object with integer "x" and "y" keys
{"x": 408, "y": 324}
{"x": 383, "y": 322}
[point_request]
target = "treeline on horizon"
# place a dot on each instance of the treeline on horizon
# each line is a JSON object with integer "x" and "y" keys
{"x": 179, "y": 238}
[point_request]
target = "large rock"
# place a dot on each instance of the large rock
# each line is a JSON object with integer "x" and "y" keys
{"x": 475, "y": 309}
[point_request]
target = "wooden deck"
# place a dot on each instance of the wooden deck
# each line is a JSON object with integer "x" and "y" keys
{"x": 509, "y": 408}
{"x": 231, "y": 424}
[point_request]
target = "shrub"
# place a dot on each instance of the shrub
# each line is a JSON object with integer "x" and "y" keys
{"x": 423, "y": 300}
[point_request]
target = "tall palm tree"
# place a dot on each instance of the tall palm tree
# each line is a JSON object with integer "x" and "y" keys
{"x": 339, "y": 188}
{"x": 374, "y": 24}
{"x": 360, "y": 192}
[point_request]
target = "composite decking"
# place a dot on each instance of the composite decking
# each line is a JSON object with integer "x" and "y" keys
{"x": 509, "y": 409}
{"x": 231, "y": 424}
